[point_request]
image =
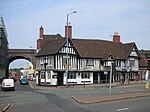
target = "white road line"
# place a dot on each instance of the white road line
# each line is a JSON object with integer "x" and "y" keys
{"x": 122, "y": 109}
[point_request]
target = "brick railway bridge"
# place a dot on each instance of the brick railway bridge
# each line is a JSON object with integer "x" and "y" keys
{"x": 27, "y": 54}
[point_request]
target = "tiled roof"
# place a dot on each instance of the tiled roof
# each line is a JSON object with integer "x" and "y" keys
{"x": 51, "y": 46}
{"x": 101, "y": 48}
{"x": 89, "y": 48}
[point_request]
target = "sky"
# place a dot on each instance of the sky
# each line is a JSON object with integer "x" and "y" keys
{"x": 95, "y": 19}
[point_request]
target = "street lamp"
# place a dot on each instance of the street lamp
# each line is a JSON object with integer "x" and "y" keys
{"x": 67, "y": 63}
{"x": 45, "y": 64}
{"x": 112, "y": 69}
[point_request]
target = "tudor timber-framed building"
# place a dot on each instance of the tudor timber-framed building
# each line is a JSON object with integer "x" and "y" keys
{"x": 89, "y": 60}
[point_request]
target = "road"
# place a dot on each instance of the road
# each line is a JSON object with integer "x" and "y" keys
{"x": 25, "y": 99}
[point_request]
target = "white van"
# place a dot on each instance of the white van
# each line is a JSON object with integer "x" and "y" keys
{"x": 8, "y": 84}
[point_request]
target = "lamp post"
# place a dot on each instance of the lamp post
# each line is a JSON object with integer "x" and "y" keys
{"x": 45, "y": 64}
{"x": 67, "y": 63}
{"x": 111, "y": 74}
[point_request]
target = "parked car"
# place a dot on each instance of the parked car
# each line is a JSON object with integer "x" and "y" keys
{"x": 8, "y": 84}
{"x": 24, "y": 80}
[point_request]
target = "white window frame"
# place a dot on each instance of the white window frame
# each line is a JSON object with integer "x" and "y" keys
{"x": 72, "y": 75}
{"x": 85, "y": 75}
{"x": 90, "y": 62}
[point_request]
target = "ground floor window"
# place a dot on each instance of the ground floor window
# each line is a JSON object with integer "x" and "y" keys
{"x": 49, "y": 75}
{"x": 42, "y": 75}
{"x": 85, "y": 75}
{"x": 71, "y": 75}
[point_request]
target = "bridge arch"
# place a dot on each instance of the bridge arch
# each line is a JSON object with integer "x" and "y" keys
{"x": 11, "y": 59}
{"x": 27, "y": 54}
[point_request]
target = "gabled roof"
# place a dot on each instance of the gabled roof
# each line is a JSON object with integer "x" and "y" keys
{"x": 51, "y": 46}
{"x": 87, "y": 48}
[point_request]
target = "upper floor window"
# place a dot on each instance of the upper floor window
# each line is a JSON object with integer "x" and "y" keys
{"x": 65, "y": 60}
{"x": 43, "y": 60}
{"x": 90, "y": 62}
{"x": 118, "y": 63}
{"x": 132, "y": 62}
{"x": 105, "y": 63}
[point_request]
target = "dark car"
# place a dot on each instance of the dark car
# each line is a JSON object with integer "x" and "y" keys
{"x": 24, "y": 80}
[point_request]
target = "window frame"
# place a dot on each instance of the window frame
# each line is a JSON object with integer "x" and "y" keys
{"x": 90, "y": 62}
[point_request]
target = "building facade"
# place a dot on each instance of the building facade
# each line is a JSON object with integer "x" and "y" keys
{"x": 89, "y": 61}
{"x": 144, "y": 63}
{"x": 3, "y": 49}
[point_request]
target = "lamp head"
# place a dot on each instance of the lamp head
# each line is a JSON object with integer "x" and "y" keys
{"x": 74, "y": 11}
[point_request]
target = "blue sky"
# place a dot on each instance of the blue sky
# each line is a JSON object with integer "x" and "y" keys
{"x": 95, "y": 19}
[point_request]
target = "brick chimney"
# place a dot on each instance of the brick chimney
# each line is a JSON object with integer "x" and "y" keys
{"x": 116, "y": 37}
{"x": 69, "y": 31}
{"x": 41, "y": 32}
{"x": 40, "y": 40}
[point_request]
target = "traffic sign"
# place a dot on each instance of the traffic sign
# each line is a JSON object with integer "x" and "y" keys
{"x": 66, "y": 71}
{"x": 66, "y": 67}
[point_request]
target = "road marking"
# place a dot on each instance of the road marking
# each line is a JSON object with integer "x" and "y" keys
{"x": 122, "y": 109}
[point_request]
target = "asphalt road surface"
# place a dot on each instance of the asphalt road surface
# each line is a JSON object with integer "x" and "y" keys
{"x": 25, "y": 99}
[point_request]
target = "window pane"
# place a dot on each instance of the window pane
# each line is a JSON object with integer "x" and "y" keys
{"x": 90, "y": 62}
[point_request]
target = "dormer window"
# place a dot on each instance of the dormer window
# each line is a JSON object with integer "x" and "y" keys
{"x": 118, "y": 63}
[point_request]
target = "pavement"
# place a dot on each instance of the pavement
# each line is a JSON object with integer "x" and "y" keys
{"x": 4, "y": 107}
{"x": 98, "y": 98}
{"x": 110, "y": 97}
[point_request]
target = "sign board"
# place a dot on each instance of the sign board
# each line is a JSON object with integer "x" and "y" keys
{"x": 105, "y": 73}
{"x": 106, "y": 68}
